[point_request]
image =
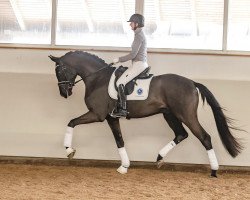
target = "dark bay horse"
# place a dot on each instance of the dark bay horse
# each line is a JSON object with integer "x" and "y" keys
{"x": 174, "y": 96}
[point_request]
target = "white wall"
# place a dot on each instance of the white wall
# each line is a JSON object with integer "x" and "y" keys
{"x": 34, "y": 116}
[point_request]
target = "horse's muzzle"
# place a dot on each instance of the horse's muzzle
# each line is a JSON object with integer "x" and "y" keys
{"x": 65, "y": 92}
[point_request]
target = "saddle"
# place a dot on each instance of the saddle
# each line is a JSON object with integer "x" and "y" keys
{"x": 129, "y": 87}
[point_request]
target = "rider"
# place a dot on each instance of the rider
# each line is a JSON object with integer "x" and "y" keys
{"x": 138, "y": 55}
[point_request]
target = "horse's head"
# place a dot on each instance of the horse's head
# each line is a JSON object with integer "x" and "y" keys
{"x": 65, "y": 75}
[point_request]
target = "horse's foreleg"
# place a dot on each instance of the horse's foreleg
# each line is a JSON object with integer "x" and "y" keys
{"x": 68, "y": 143}
{"x": 89, "y": 117}
{"x": 115, "y": 127}
{"x": 180, "y": 135}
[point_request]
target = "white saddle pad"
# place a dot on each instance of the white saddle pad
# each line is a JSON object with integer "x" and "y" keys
{"x": 140, "y": 92}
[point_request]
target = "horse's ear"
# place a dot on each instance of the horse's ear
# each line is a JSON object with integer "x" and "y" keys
{"x": 53, "y": 58}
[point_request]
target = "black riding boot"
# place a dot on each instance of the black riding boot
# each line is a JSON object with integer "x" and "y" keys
{"x": 121, "y": 109}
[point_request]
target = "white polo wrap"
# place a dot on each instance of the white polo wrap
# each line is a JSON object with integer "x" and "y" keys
{"x": 212, "y": 159}
{"x": 68, "y": 137}
{"x": 124, "y": 157}
{"x": 164, "y": 151}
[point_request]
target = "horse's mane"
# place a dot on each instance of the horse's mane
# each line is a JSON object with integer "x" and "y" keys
{"x": 86, "y": 54}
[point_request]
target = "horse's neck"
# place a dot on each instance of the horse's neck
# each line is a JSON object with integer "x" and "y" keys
{"x": 98, "y": 79}
{"x": 87, "y": 70}
{"x": 92, "y": 73}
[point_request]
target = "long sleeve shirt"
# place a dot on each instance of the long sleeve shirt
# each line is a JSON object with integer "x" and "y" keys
{"x": 139, "y": 48}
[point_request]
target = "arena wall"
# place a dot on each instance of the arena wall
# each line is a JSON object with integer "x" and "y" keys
{"x": 33, "y": 116}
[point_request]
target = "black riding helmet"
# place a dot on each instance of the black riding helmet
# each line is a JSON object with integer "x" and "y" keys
{"x": 137, "y": 18}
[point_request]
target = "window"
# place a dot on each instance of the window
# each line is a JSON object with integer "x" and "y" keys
{"x": 94, "y": 22}
{"x": 24, "y": 21}
{"x": 186, "y": 24}
{"x": 239, "y": 25}
{"x": 169, "y": 24}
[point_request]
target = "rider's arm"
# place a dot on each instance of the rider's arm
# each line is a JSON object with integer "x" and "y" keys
{"x": 135, "y": 48}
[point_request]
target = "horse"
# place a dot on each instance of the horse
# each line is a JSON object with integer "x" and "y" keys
{"x": 175, "y": 97}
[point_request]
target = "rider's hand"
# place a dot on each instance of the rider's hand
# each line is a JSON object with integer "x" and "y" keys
{"x": 116, "y": 60}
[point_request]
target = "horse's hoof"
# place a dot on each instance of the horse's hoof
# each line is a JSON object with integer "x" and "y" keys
{"x": 213, "y": 174}
{"x": 122, "y": 170}
{"x": 70, "y": 153}
{"x": 160, "y": 163}
{"x": 159, "y": 157}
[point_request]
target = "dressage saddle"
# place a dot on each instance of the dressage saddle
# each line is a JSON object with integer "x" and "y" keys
{"x": 129, "y": 88}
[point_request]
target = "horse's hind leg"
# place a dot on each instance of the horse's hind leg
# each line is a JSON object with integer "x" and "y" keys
{"x": 115, "y": 127}
{"x": 180, "y": 134}
{"x": 205, "y": 139}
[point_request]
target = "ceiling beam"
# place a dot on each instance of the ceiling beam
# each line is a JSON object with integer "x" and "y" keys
{"x": 88, "y": 16}
{"x": 123, "y": 16}
{"x": 18, "y": 14}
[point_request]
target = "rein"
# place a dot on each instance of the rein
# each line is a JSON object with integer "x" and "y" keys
{"x": 74, "y": 83}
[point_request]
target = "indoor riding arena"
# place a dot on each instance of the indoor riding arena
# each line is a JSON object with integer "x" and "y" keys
{"x": 173, "y": 125}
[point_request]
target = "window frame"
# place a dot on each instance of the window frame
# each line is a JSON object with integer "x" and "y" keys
{"x": 139, "y": 7}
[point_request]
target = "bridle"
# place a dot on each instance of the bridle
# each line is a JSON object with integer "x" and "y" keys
{"x": 69, "y": 83}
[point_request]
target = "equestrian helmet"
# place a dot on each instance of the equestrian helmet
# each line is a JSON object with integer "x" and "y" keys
{"x": 137, "y": 18}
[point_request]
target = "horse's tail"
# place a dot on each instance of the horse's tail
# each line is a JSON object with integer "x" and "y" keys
{"x": 223, "y": 123}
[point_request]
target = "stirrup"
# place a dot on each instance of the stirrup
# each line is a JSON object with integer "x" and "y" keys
{"x": 119, "y": 113}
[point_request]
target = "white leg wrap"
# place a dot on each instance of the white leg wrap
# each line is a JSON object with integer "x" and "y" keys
{"x": 68, "y": 137}
{"x": 212, "y": 160}
{"x": 124, "y": 157}
{"x": 164, "y": 151}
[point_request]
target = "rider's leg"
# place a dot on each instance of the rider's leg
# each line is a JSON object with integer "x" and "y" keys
{"x": 132, "y": 72}
{"x": 122, "y": 98}
{"x": 121, "y": 105}
{"x": 128, "y": 75}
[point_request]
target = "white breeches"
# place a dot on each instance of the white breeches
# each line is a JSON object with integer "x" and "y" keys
{"x": 133, "y": 71}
